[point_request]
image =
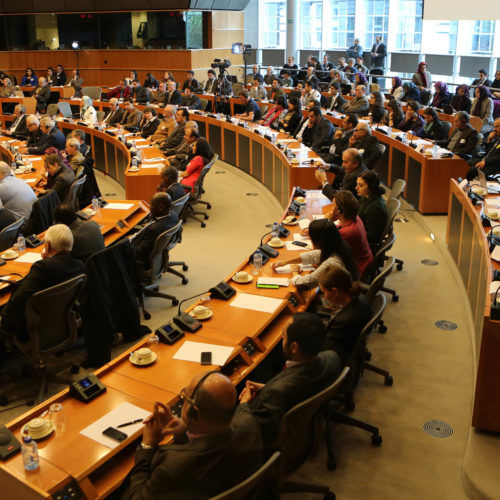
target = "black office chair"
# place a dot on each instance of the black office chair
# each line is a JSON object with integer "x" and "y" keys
{"x": 158, "y": 264}
{"x": 259, "y": 485}
{"x": 53, "y": 323}
{"x": 297, "y": 434}
{"x": 357, "y": 363}
{"x": 179, "y": 206}
{"x": 397, "y": 190}
{"x": 9, "y": 234}
{"x": 42, "y": 214}
{"x": 74, "y": 193}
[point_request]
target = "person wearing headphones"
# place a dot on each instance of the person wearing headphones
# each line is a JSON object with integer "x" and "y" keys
{"x": 208, "y": 454}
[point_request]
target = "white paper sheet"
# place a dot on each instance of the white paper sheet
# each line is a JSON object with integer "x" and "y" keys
{"x": 273, "y": 281}
{"x": 152, "y": 160}
{"x": 30, "y": 257}
{"x": 291, "y": 247}
{"x": 5, "y": 278}
{"x": 118, "y": 206}
{"x": 123, "y": 413}
{"x": 34, "y": 158}
{"x": 256, "y": 302}
{"x": 143, "y": 146}
{"x": 315, "y": 195}
{"x": 30, "y": 181}
{"x": 299, "y": 237}
{"x": 493, "y": 187}
{"x": 191, "y": 351}
{"x": 492, "y": 202}
{"x": 286, "y": 269}
{"x": 319, "y": 216}
{"x": 494, "y": 285}
{"x": 153, "y": 165}
{"x": 303, "y": 223}
{"x": 496, "y": 254}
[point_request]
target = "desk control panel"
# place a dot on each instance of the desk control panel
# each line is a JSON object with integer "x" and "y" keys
{"x": 294, "y": 301}
{"x": 70, "y": 491}
{"x": 249, "y": 347}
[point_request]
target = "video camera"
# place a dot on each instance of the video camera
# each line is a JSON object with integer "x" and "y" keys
{"x": 221, "y": 64}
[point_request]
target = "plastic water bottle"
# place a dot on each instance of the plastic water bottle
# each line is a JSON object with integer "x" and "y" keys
{"x": 96, "y": 208}
{"x": 29, "y": 452}
{"x": 275, "y": 231}
{"x": 134, "y": 162}
{"x": 257, "y": 262}
{"x": 13, "y": 166}
{"x": 435, "y": 150}
{"x": 21, "y": 243}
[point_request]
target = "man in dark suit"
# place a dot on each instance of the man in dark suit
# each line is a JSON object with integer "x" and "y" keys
{"x": 307, "y": 372}
{"x": 177, "y": 135}
{"x": 378, "y": 53}
{"x": 483, "y": 79}
{"x": 170, "y": 183}
{"x": 87, "y": 236}
{"x": 335, "y": 102}
{"x": 149, "y": 122}
{"x": 115, "y": 114}
{"x": 161, "y": 95}
{"x": 172, "y": 97}
{"x": 211, "y": 85}
{"x": 341, "y": 140}
{"x": 139, "y": 93}
{"x": 131, "y": 117}
{"x": 60, "y": 76}
{"x": 159, "y": 220}
{"x": 209, "y": 454}
{"x": 464, "y": 139}
{"x": 490, "y": 163}
{"x": 51, "y": 137}
{"x": 59, "y": 178}
{"x": 42, "y": 94}
{"x": 290, "y": 65}
{"x": 18, "y": 128}
{"x": 190, "y": 82}
{"x": 190, "y": 99}
{"x": 55, "y": 267}
{"x": 319, "y": 131}
{"x": 34, "y": 132}
{"x": 180, "y": 157}
{"x": 368, "y": 145}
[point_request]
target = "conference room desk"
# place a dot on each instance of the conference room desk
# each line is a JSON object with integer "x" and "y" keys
{"x": 66, "y": 454}
{"x": 469, "y": 247}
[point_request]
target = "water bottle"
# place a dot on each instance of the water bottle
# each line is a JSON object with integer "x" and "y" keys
{"x": 29, "y": 452}
{"x": 21, "y": 243}
{"x": 257, "y": 262}
{"x": 275, "y": 231}
{"x": 134, "y": 162}
{"x": 96, "y": 208}
{"x": 434, "y": 150}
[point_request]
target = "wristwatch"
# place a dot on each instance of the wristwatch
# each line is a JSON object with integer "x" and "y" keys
{"x": 144, "y": 446}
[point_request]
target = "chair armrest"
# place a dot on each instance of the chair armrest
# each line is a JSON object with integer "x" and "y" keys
{"x": 190, "y": 188}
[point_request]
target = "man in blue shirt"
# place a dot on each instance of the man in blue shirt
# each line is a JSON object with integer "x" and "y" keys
{"x": 252, "y": 111}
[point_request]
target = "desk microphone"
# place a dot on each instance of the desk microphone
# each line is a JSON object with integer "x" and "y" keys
{"x": 184, "y": 320}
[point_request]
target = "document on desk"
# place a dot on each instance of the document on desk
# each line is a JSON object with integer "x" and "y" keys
{"x": 316, "y": 195}
{"x": 153, "y": 165}
{"x": 123, "y": 413}
{"x": 119, "y": 206}
{"x": 286, "y": 269}
{"x": 303, "y": 223}
{"x": 30, "y": 181}
{"x": 495, "y": 255}
{"x": 152, "y": 160}
{"x": 271, "y": 281}
{"x": 29, "y": 257}
{"x": 494, "y": 286}
{"x": 256, "y": 302}
{"x": 191, "y": 351}
{"x": 492, "y": 202}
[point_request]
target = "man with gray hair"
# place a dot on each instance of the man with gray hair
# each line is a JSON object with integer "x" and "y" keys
{"x": 368, "y": 145}
{"x": 166, "y": 126}
{"x": 51, "y": 137}
{"x": 18, "y": 128}
{"x": 464, "y": 138}
{"x": 55, "y": 266}
{"x": 115, "y": 114}
{"x": 180, "y": 156}
{"x": 74, "y": 156}
{"x": 359, "y": 104}
{"x": 34, "y": 132}
{"x": 16, "y": 195}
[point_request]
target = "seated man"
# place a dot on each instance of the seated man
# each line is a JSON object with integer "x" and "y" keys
{"x": 170, "y": 183}
{"x": 190, "y": 81}
{"x": 160, "y": 220}
{"x": 286, "y": 79}
{"x": 73, "y": 155}
{"x": 335, "y": 102}
{"x": 359, "y": 104}
{"x": 51, "y": 137}
{"x": 211, "y": 85}
{"x": 341, "y": 139}
{"x": 87, "y": 237}
{"x": 55, "y": 267}
{"x": 18, "y": 128}
{"x": 310, "y": 94}
{"x": 115, "y": 114}
{"x": 318, "y": 132}
{"x": 490, "y": 163}
{"x": 464, "y": 139}
{"x": 181, "y": 156}
{"x": 177, "y": 135}
{"x": 368, "y": 145}
{"x": 16, "y": 195}
{"x": 149, "y": 122}
{"x": 59, "y": 178}
{"x": 140, "y": 94}
{"x": 121, "y": 91}
{"x": 166, "y": 126}
{"x": 161, "y": 94}
{"x": 208, "y": 455}
{"x": 79, "y": 134}
{"x": 131, "y": 117}
{"x": 275, "y": 91}
{"x": 307, "y": 372}
{"x": 257, "y": 91}
{"x": 252, "y": 111}
{"x": 345, "y": 176}
{"x": 172, "y": 97}
{"x": 190, "y": 99}
{"x": 34, "y": 132}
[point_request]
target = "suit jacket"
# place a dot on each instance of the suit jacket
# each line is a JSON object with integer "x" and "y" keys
{"x": 378, "y": 60}
{"x": 373, "y": 213}
{"x": 175, "y": 138}
{"x": 114, "y": 117}
{"x": 158, "y": 98}
{"x": 193, "y": 85}
{"x": 141, "y": 95}
{"x": 358, "y": 105}
{"x": 492, "y": 158}
{"x": 60, "y": 79}
{"x": 87, "y": 239}
{"x": 182, "y": 155}
{"x": 193, "y": 102}
{"x": 196, "y": 469}
{"x": 438, "y": 132}
{"x": 76, "y": 161}
{"x": 143, "y": 241}
{"x": 149, "y": 128}
{"x": 165, "y": 128}
{"x": 343, "y": 181}
{"x": 6, "y": 218}
{"x": 211, "y": 86}
{"x": 54, "y": 139}
{"x": 42, "y": 96}
{"x": 344, "y": 328}
{"x": 173, "y": 98}
{"x": 131, "y": 119}
{"x": 321, "y": 135}
{"x": 77, "y": 85}
{"x": 338, "y": 104}
{"x": 175, "y": 191}
{"x": 288, "y": 388}
{"x": 61, "y": 182}
{"x": 43, "y": 274}
{"x": 465, "y": 142}
{"x": 338, "y": 146}
{"x": 370, "y": 149}
{"x": 21, "y": 131}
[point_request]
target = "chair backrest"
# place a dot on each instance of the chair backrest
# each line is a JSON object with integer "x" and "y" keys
{"x": 237, "y": 87}
{"x": 9, "y": 234}
{"x": 159, "y": 254}
{"x": 397, "y": 189}
{"x": 52, "y": 109}
{"x": 392, "y": 206}
{"x": 298, "y": 427}
{"x": 263, "y": 109}
{"x": 178, "y": 206}
{"x": 256, "y": 485}
{"x": 42, "y": 214}
{"x": 100, "y": 116}
{"x": 65, "y": 109}
{"x": 378, "y": 282}
{"x": 18, "y": 93}
{"x": 74, "y": 192}
{"x": 447, "y": 126}
{"x": 198, "y": 185}
{"x": 51, "y": 318}
{"x": 92, "y": 92}
{"x": 204, "y": 104}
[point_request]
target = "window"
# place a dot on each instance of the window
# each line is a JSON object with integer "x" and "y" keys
{"x": 409, "y": 28}
{"x": 482, "y": 37}
{"x": 376, "y": 20}
{"x": 311, "y": 23}
{"x": 273, "y": 20}
{"x": 339, "y": 23}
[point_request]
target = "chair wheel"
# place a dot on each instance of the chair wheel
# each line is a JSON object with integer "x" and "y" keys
{"x": 209, "y": 206}
{"x": 203, "y": 224}
{"x": 388, "y": 380}
{"x": 331, "y": 464}
{"x": 399, "y": 267}
{"x": 75, "y": 369}
{"x": 146, "y": 315}
{"x": 382, "y": 328}
{"x": 185, "y": 268}
{"x": 175, "y": 302}
{"x": 376, "y": 439}
{"x": 184, "y": 281}
{"x": 4, "y": 400}
{"x": 205, "y": 216}
{"x": 395, "y": 297}
{"x": 330, "y": 496}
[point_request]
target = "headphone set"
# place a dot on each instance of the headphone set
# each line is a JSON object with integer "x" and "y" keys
{"x": 193, "y": 412}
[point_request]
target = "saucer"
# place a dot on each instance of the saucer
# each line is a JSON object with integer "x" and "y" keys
{"x": 286, "y": 219}
{"x": 243, "y": 282}
{"x": 282, "y": 244}
{"x": 133, "y": 169}
{"x": 300, "y": 200}
{"x": 294, "y": 161}
{"x": 208, "y": 316}
{"x": 12, "y": 256}
{"x": 47, "y": 432}
{"x": 145, "y": 362}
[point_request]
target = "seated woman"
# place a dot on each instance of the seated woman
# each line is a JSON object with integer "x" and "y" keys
{"x": 291, "y": 120}
{"x": 411, "y": 92}
{"x": 328, "y": 250}
{"x": 345, "y": 84}
{"x": 397, "y": 91}
{"x": 150, "y": 82}
{"x": 371, "y": 207}
{"x": 433, "y": 128}
{"x": 351, "y": 228}
{"x": 29, "y": 79}
{"x": 460, "y": 101}
{"x": 168, "y": 77}
{"x": 395, "y": 114}
{"x": 377, "y": 109}
{"x": 360, "y": 79}
{"x": 495, "y": 85}
{"x": 202, "y": 154}
{"x": 88, "y": 113}
{"x": 345, "y": 326}
{"x": 413, "y": 122}
{"x": 51, "y": 78}
{"x": 275, "y": 113}
{"x": 442, "y": 96}
{"x": 482, "y": 106}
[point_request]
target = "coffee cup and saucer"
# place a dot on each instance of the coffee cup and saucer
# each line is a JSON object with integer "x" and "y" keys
{"x": 10, "y": 255}
{"x": 295, "y": 161}
{"x": 492, "y": 214}
{"x": 38, "y": 428}
{"x": 276, "y": 242}
{"x": 300, "y": 200}
{"x": 242, "y": 277}
{"x": 133, "y": 169}
{"x": 289, "y": 221}
{"x": 201, "y": 313}
{"x": 143, "y": 357}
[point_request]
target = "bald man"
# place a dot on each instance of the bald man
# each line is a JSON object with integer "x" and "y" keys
{"x": 208, "y": 455}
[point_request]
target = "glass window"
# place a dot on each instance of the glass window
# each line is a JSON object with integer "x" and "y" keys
{"x": 376, "y": 20}
{"x": 339, "y": 23}
{"x": 409, "y": 28}
{"x": 311, "y": 23}
{"x": 273, "y": 21}
{"x": 482, "y": 37}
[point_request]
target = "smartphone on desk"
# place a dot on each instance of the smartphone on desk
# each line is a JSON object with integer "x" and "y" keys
{"x": 115, "y": 434}
{"x": 299, "y": 243}
{"x": 206, "y": 358}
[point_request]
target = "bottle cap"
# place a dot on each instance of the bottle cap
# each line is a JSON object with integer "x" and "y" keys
{"x": 27, "y": 439}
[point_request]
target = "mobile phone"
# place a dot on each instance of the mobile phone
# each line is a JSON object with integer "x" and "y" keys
{"x": 206, "y": 358}
{"x": 299, "y": 243}
{"x": 115, "y": 434}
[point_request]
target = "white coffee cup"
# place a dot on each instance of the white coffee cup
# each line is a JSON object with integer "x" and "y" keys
{"x": 143, "y": 354}
{"x": 242, "y": 275}
{"x": 38, "y": 427}
{"x": 201, "y": 311}
{"x": 276, "y": 241}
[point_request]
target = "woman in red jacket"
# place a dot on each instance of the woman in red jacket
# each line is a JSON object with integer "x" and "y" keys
{"x": 202, "y": 154}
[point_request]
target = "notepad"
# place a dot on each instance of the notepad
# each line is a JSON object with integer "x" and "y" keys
{"x": 191, "y": 351}
{"x": 256, "y": 302}
{"x": 29, "y": 257}
{"x": 303, "y": 223}
{"x": 119, "y": 206}
{"x": 273, "y": 281}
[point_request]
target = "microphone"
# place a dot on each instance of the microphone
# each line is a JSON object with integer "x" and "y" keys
{"x": 186, "y": 299}
{"x": 184, "y": 320}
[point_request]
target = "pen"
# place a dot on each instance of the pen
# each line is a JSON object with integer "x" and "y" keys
{"x": 129, "y": 423}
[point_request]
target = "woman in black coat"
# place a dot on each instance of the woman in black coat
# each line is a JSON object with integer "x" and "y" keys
{"x": 433, "y": 128}
{"x": 291, "y": 120}
{"x": 461, "y": 101}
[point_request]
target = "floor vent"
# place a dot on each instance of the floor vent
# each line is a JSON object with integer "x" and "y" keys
{"x": 438, "y": 429}
{"x": 446, "y": 325}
